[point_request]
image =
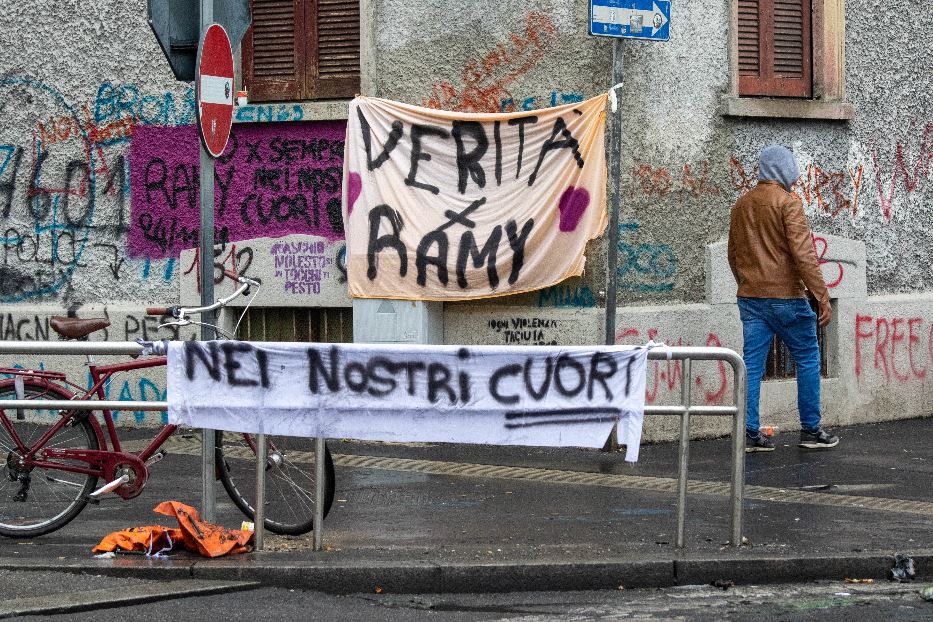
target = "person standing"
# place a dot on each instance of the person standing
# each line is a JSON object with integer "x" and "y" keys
{"x": 772, "y": 257}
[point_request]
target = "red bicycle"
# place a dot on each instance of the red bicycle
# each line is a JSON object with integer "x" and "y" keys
{"x": 54, "y": 460}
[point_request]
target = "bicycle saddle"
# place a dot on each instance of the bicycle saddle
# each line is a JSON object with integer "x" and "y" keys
{"x": 76, "y": 327}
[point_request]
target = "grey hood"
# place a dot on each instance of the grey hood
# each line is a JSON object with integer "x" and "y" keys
{"x": 778, "y": 164}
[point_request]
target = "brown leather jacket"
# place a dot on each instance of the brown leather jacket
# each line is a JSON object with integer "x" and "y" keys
{"x": 771, "y": 247}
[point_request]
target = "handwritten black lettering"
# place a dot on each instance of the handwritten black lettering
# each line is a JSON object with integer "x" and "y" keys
{"x": 496, "y": 378}
{"x": 378, "y": 243}
{"x": 563, "y": 362}
{"x": 391, "y": 142}
{"x": 539, "y": 393}
{"x": 468, "y": 165}
{"x": 317, "y": 369}
{"x": 568, "y": 142}
{"x": 439, "y": 379}
{"x": 601, "y": 375}
{"x": 195, "y": 351}
{"x": 418, "y": 155}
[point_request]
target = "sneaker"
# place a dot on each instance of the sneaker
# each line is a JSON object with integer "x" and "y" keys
{"x": 820, "y": 439}
{"x": 758, "y": 443}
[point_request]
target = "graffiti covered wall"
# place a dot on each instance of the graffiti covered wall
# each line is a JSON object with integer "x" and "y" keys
{"x": 99, "y": 181}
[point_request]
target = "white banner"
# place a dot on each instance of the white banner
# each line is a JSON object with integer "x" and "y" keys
{"x": 500, "y": 395}
{"x": 444, "y": 205}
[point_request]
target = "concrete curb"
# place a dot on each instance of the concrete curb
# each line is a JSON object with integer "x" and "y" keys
{"x": 419, "y": 576}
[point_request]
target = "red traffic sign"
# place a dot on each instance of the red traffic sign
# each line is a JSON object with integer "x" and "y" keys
{"x": 214, "y": 89}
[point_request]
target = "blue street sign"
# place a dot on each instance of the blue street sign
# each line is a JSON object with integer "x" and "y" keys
{"x": 633, "y": 19}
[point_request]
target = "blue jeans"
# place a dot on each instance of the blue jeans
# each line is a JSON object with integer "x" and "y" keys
{"x": 795, "y": 323}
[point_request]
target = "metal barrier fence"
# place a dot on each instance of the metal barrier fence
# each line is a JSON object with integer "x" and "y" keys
{"x": 659, "y": 352}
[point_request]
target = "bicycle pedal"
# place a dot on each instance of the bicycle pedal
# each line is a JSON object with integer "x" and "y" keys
{"x": 110, "y": 486}
{"x": 156, "y": 457}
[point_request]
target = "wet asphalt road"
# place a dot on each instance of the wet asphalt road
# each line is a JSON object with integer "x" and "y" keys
{"x": 822, "y": 601}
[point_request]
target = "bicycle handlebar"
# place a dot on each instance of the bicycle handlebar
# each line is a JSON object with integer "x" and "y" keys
{"x": 183, "y": 312}
{"x": 240, "y": 278}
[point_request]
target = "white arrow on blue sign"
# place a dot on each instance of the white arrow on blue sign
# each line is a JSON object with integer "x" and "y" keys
{"x": 633, "y": 19}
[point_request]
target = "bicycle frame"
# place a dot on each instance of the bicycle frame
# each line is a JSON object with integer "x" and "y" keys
{"x": 100, "y": 374}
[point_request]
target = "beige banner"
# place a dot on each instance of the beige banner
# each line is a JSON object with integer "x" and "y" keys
{"x": 450, "y": 206}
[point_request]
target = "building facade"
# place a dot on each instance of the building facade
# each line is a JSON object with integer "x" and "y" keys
{"x": 99, "y": 175}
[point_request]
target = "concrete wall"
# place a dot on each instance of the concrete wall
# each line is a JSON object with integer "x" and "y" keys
{"x": 98, "y": 169}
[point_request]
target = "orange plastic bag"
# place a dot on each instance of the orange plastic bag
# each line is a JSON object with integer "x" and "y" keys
{"x": 193, "y": 534}
{"x": 204, "y": 538}
{"x": 151, "y": 540}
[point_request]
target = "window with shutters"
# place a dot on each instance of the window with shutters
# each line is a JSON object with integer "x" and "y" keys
{"x": 302, "y": 49}
{"x": 775, "y": 52}
{"x": 788, "y": 59}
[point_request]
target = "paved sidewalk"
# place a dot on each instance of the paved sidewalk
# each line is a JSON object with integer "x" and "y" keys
{"x": 441, "y": 518}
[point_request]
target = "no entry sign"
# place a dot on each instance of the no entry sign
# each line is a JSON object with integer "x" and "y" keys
{"x": 214, "y": 89}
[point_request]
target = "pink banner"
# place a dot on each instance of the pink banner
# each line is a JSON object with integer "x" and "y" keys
{"x": 272, "y": 180}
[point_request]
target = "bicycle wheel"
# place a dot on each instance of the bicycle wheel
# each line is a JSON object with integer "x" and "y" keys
{"x": 290, "y": 482}
{"x": 38, "y": 500}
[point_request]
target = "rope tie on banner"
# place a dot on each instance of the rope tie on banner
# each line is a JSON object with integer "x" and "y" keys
{"x": 613, "y": 98}
{"x": 658, "y": 344}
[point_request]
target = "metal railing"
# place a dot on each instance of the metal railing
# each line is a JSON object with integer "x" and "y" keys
{"x": 740, "y": 390}
{"x": 659, "y": 352}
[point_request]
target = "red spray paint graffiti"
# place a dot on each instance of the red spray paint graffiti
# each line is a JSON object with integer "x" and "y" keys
{"x": 892, "y": 342}
{"x": 826, "y": 189}
{"x": 910, "y": 178}
{"x": 667, "y": 376}
{"x": 820, "y": 247}
{"x": 485, "y": 80}
{"x": 658, "y": 182}
{"x": 232, "y": 259}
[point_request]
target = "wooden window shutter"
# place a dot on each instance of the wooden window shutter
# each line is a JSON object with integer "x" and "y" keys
{"x": 333, "y": 53}
{"x": 775, "y": 49}
{"x": 273, "y": 51}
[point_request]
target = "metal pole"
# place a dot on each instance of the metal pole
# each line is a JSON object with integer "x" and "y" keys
{"x": 319, "y": 493}
{"x": 615, "y": 157}
{"x": 738, "y": 448}
{"x": 259, "y": 508}
{"x": 206, "y": 252}
{"x": 684, "y": 451}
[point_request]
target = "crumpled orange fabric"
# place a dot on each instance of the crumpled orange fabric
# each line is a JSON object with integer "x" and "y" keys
{"x": 195, "y": 535}
{"x": 206, "y": 539}
{"x": 150, "y": 539}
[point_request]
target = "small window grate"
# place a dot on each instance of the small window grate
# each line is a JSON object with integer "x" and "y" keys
{"x": 303, "y": 325}
{"x": 780, "y": 364}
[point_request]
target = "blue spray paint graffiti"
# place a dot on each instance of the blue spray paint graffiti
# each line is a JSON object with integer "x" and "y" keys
{"x": 143, "y": 389}
{"x": 126, "y": 103}
{"x": 59, "y": 227}
{"x": 647, "y": 268}
{"x": 268, "y": 112}
{"x": 53, "y": 175}
{"x": 533, "y": 103}
{"x": 566, "y": 296}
